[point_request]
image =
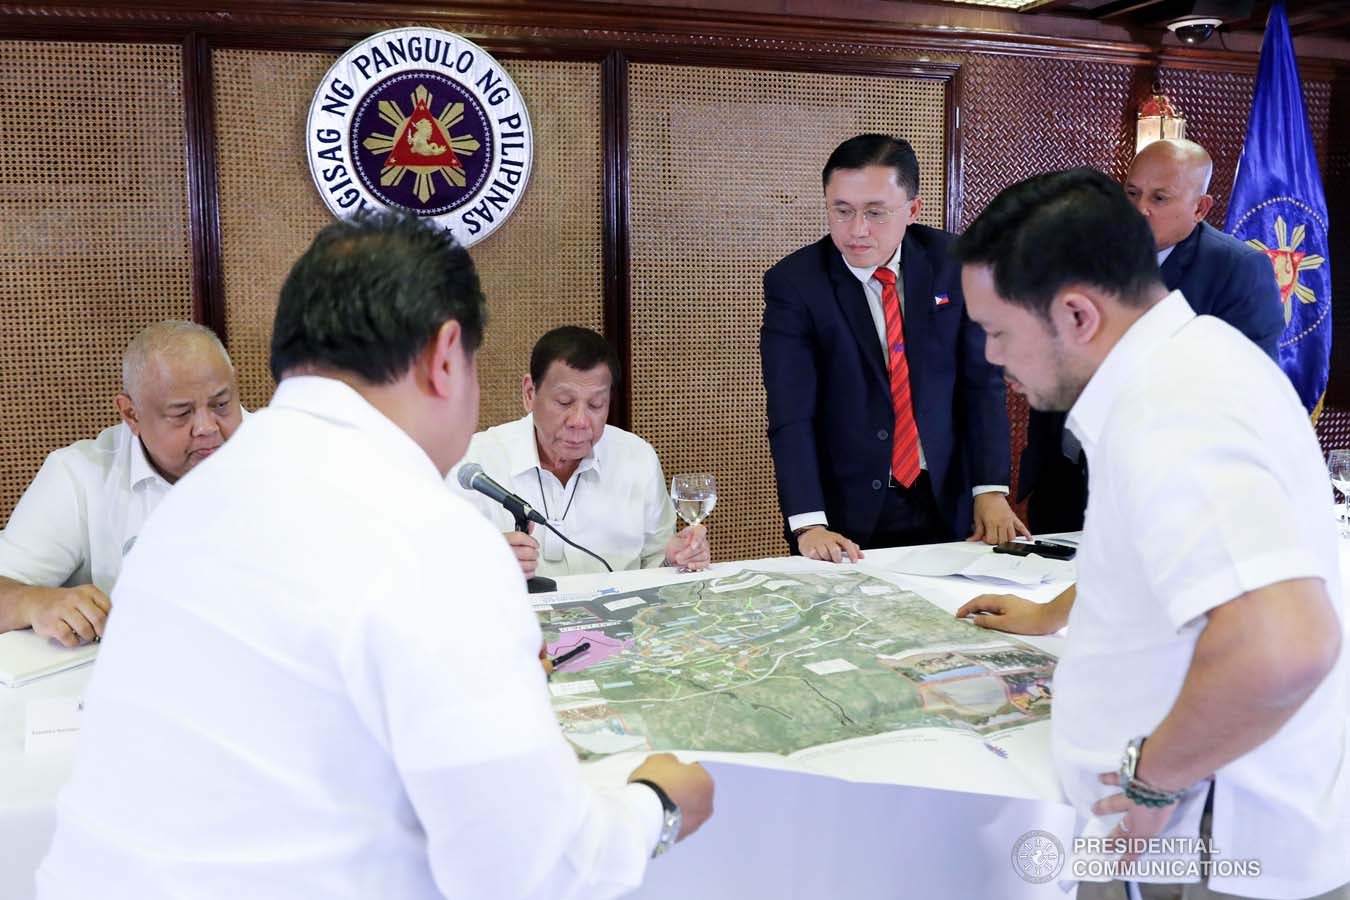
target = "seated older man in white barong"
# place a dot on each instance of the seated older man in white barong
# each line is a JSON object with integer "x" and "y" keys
{"x": 600, "y": 486}
{"x": 62, "y": 549}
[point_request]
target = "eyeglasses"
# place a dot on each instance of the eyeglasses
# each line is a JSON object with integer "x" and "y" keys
{"x": 873, "y": 215}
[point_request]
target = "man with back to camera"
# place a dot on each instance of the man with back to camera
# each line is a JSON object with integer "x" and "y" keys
{"x": 351, "y": 704}
{"x": 886, "y": 424}
{"x": 599, "y": 485}
{"x": 1219, "y": 275}
{"x": 1202, "y": 692}
{"x": 62, "y": 549}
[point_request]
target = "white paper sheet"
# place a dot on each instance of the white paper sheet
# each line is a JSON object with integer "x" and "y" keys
{"x": 24, "y": 657}
{"x": 977, "y": 562}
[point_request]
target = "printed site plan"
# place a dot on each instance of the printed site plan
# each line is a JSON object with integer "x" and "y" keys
{"x": 773, "y": 662}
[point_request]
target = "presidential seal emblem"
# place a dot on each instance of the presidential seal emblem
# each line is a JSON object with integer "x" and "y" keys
{"x": 1037, "y": 857}
{"x": 422, "y": 120}
{"x": 1289, "y": 261}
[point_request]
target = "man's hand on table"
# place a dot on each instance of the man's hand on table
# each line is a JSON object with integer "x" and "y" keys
{"x": 526, "y": 550}
{"x": 818, "y": 542}
{"x": 1017, "y": 615}
{"x": 1013, "y": 614}
{"x": 689, "y": 549}
{"x": 72, "y": 616}
{"x": 995, "y": 522}
{"x": 688, "y": 784}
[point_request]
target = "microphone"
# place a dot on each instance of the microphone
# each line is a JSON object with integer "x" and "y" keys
{"x": 473, "y": 478}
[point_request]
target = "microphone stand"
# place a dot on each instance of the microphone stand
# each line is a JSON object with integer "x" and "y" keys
{"x": 538, "y": 584}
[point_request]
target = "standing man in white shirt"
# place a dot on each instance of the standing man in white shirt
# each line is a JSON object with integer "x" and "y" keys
{"x": 1202, "y": 692}
{"x": 600, "y": 485}
{"x": 62, "y": 548}
{"x": 350, "y": 705}
{"x": 1168, "y": 181}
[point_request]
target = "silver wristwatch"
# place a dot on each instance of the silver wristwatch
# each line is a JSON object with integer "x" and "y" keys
{"x": 670, "y": 824}
{"x": 1130, "y": 761}
{"x": 1135, "y": 788}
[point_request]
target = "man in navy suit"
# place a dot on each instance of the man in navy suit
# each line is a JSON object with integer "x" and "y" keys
{"x": 1219, "y": 276}
{"x": 887, "y": 425}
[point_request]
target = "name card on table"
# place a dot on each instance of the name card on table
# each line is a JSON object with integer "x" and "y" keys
{"x": 52, "y": 724}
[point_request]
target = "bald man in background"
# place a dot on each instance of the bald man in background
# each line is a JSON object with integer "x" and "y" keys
{"x": 1168, "y": 182}
{"x": 62, "y": 549}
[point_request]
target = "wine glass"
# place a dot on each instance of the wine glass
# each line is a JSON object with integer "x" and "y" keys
{"x": 1338, "y": 464}
{"x": 694, "y": 496}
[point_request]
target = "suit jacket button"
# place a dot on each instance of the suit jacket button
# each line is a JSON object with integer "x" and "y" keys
{"x": 882, "y": 435}
{"x": 876, "y": 485}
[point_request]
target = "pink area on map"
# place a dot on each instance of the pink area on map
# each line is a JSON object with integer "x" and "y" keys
{"x": 602, "y": 647}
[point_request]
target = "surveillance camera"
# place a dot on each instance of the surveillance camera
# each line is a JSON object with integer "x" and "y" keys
{"x": 1194, "y": 30}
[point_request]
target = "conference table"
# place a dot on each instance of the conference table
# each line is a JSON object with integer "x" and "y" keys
{"x": 777, "y": 832}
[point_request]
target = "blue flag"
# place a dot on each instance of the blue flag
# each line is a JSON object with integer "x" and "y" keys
{"x": 1278, "y": 207}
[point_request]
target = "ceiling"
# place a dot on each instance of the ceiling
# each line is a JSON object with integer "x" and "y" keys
{"x": 1326, "y": 18}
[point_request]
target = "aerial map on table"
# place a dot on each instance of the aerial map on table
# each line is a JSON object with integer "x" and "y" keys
{"x": 762, "y": 661}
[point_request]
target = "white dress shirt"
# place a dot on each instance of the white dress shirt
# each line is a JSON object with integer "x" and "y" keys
{"x": 1205, "y": 482}
{"x": 872, "y": 289}
{"x": 616, "y": 503}
{"x": 82, "y": 513}
{"x": 321, "y": 682}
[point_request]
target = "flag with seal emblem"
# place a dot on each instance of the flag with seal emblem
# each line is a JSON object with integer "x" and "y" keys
{"x": 1279, "y": 208}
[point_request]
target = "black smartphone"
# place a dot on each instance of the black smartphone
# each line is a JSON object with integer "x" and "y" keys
{"x": 1040, "y": 548}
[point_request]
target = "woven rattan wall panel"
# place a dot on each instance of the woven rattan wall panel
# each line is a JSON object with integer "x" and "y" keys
{"x": 540, "y": 270}
{"x": 1022, "y": 116}
{"x": 94, "y": 238}
{"x": 1333, "y": 428}
{"x": 725, "y": 180}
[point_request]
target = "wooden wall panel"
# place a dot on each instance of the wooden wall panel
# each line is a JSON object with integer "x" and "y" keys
{"x": 93, "y": 233}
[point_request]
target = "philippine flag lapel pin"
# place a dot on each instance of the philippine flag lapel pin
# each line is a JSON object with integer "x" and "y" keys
{"x": 941, "y": 300}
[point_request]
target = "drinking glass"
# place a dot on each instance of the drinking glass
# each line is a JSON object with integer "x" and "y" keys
{"x": 694, "y": 496}
{"x": 1338, "y": 464}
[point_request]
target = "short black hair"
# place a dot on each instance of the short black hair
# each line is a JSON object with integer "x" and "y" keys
{"x": 370, "y": 293}
{"x": 580, "y": 348}
{"x": 876, "y": 150}
{"x": 1058, "y": 229}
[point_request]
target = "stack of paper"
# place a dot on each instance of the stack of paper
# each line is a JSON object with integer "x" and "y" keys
{"x": 24, "y": 657}
{"x": 980, "y": 564}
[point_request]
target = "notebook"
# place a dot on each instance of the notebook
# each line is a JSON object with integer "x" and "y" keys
{"x": 25, "y": 657}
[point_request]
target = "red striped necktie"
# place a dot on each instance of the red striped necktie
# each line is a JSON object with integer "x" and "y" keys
{"x": 905, "y": 440}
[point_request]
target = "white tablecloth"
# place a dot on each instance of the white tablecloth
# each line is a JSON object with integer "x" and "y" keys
{"x": 774, "y": 834}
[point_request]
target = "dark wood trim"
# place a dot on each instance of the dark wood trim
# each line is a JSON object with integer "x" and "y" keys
{"x": 761, "y": 58}
{"x": 203, "y": 187}
{"x": 502, "y": 46}
{"x": 556, "y": 29}
{"x": 616, "y": 224}
{"x": 953, "y": 176}
{"x": 1044, "y": 6}
{"x": 1325, "y": 24}
{"x": 1122, "y": 8}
